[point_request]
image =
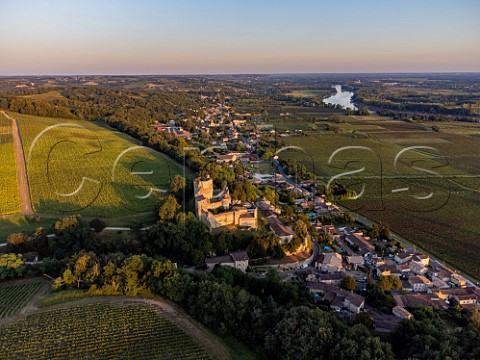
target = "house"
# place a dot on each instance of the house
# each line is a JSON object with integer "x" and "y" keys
{"x": 283, "y": 232}
{"x": 403, "y": 269}
{"x": 355, "y": 261}
{"x": 235, "y": 259}
{"x": 421, "y": 258}
{"x": 356, "y": 240}
{"x": 417, "y": 268}
{"x": 387, "y": 270}
{"x": 440, "y": 284}
{"x": 465, "y": 300}
{"x": 400, "y": 312}
{"x": 414, "y": 300}
{"x": 458, "y": 281}
{"x": 332, "y": 279}
{"x": 419, "y": 283}
{"x": 402, "y": 258}
{"x": 331, "y": 263}
{"x": 337, "y": 298}
{"x": 465, "y": 297}
{"x": 264, "y": 204}
{"x": 354, "y": 303}
{"x": 442, "y": 274}
{"x": 226, "y": 158}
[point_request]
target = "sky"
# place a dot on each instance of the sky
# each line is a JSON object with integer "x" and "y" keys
{"x": 60, "y": 37}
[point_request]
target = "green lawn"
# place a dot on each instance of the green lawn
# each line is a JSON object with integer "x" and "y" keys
{"x": 9, "y": 197}
{"x": 83, "y": 168}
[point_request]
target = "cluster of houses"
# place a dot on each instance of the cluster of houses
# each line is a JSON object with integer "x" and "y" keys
{"x": 424, "y": 282}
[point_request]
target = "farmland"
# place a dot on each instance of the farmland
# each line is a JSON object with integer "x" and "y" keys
{"x": 446, "y": 225}
{"x": 14, "y": 296}
{"x": 9, "y": 197}
{"x": 82, "y": 167}
{"x": 100, "y": 331}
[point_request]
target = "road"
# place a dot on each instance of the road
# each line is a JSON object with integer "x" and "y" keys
{"x": 23, "y": 186}
{"x": 408, "y": 245}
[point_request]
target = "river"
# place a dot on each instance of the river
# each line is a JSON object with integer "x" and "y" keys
{"x": 343, "y": 98}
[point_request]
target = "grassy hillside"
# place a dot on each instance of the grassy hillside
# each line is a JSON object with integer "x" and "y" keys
{"x": 81, "y": 167}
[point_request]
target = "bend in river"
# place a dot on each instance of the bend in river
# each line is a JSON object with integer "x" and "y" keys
{"x": 343, "y": 98}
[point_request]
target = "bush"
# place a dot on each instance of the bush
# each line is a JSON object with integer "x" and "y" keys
{"x": 97, "y": 224}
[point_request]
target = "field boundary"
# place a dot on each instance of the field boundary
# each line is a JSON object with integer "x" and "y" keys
{"x": 23, "y": 185}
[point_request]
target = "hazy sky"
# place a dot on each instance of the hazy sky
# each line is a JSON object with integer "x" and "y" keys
{"x": 244, "y": 36}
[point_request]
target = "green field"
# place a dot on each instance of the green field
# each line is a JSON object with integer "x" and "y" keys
{"x": 20, "y": 223}
{"x": 9, "y": 197}
{"x": 98, "y": 331}
{"x": 83, "y": 168}
{"x": 308, "y": 93}
{"x": 446, "y": 225}
{"x": 13, "y": 297}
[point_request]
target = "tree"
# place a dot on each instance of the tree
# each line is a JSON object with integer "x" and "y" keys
{"x": 168, "y": 209}
{"x": 385, "y": 231}
{"x": 375, "y": 231}
{"x": 97, "y": 224}
{"x": 302, "y": 334}
{"x": 178, "y": 183}
{"x": 365, "y": 319}
{"x": 300, "y": 228}
{"x": 389, "y": 282}
{"x": 349, "y": 283}
{"x": 11, "y": 266}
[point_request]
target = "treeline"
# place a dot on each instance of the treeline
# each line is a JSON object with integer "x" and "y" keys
{"x": 448, "y": 104}
{"x": 268, "y": 313}
{"x": 185, "y": 241}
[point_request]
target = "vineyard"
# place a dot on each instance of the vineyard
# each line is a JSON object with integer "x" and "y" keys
{"x": 98, "y": 331}
{"x": 9, "y": 197}
{"x": 81, "y": 167}
{"x": 447, "y": 224}
{"x": 14, "y": 297}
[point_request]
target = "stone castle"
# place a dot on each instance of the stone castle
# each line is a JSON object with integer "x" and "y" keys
{"x": 217, "y": 211}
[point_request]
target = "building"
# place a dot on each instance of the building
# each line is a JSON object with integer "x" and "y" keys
{"x": 420, "y": 283}
{"x": 330, "y": 263}
{"x": 402, "y": 258}
{"x": 357, "y": 240}
{"x": 400, "y": 312}
{"x": 417, "y": 268}
{"x": 458, "y": 281}
{"x": 356, "y": 261}
{"x": 235, "y": 259}
{"x": 283, "y": 232}
{"x": 218, "y": 211}
{"x": 337, "y": 298}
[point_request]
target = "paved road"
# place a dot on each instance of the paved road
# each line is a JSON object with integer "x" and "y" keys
{"x": 23, "y": 187}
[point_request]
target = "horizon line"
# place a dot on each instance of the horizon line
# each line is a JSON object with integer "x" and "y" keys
{"x": 246, "y": 73}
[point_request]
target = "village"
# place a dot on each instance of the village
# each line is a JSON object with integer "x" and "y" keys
{"x": 339, "y": 260}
